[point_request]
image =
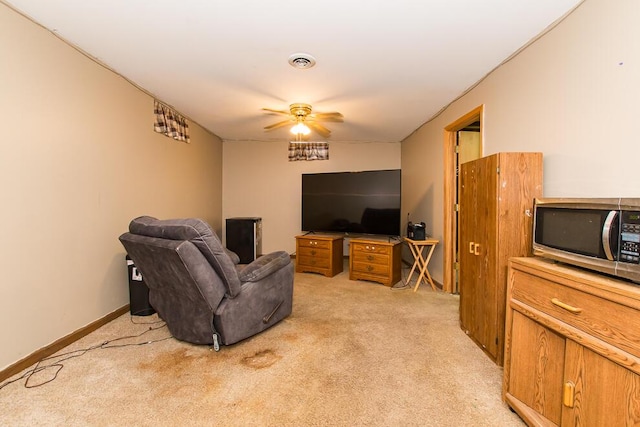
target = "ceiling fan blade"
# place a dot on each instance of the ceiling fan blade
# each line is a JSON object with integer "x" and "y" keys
{"x": 270, "y": 110}
{"x": 279, "y": 124}
{"x": 330, "y": 114}
{"x": 323, "y": 131}
{"x": 321, "y": 118}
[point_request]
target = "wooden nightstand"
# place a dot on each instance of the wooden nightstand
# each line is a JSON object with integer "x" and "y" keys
{"x": 375, "y": 260}
{"x": 319, "y": 254}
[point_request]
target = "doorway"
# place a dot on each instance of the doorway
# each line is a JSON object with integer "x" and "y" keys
{"x": 467, "y": 130}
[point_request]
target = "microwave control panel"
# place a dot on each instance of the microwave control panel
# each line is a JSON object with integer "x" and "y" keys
{"x": 630, "y": 237}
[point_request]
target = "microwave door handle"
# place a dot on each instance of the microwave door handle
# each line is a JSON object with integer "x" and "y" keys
{"x": 606, "y": 234}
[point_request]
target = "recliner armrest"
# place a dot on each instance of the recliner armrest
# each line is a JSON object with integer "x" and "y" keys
{"x": 264, "y": 266}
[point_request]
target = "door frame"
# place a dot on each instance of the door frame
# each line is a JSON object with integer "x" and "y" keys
{"x": 450, "y": 183}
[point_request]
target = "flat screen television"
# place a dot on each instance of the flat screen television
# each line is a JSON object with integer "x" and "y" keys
{"x": 366, "y": 202}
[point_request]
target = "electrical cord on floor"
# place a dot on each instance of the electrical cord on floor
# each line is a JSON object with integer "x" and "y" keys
{"x": 402, "y": 285}
{"x": 144, "y": 313}
{"x": 57, "y": 359}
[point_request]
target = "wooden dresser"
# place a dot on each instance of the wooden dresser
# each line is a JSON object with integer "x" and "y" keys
{"x": 319, "y": 254}
{"x": 375, "y": 260}
{"x": 572, "y": 347}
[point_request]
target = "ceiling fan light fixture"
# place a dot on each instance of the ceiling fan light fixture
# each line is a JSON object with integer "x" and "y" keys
{"x": 300, "y": 129}
{"x": 302, "y": 61}
{"x": 303, "y": 120}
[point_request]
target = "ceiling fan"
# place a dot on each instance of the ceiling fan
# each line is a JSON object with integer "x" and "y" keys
{"x": 303, "y": 120}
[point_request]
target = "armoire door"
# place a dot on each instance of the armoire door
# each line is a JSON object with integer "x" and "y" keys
{"x": 485, "y": 250}
{"x": 469, "y": 267}
{"x": 478, "y": 219}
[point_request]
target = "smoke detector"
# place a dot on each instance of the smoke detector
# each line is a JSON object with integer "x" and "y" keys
{"x": 302, "y": 61}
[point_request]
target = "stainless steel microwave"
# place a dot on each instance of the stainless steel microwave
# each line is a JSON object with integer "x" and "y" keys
{"x": 598, "y": 234}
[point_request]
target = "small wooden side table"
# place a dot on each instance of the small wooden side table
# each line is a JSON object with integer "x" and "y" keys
{"x": 420, "y": 261}
{"x": 317, "y": 253}
{"x": 375, "y": 260}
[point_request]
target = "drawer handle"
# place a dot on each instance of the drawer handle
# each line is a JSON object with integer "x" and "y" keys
{"x": 471, "y": 248}
{"x": 369, "y": 268}
{"x": 476, "y": 249}
{"x": 313, "y": 252}
{"x": 572, "y": 309}
{"x": 370, "y": 257}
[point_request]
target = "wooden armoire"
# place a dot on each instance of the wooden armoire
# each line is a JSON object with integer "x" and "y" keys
{"x": 495, "y": 223}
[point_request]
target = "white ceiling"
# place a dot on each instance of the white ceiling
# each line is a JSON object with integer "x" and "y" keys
{"x": 386, "y": 65}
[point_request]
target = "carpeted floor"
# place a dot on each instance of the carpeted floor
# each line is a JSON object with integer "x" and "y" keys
{"x": 352, "y": 353}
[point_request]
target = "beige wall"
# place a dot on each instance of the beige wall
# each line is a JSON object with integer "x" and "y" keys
{"x": 259, "y": 180}
{"x": 572, "y": 95}
{"x": 78, "y": 161}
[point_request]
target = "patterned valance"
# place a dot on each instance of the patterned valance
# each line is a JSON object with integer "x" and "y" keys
{"x": 170, "y": 123}
{"x": 308, "y": 151}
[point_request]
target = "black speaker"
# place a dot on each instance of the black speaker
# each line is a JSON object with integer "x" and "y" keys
{"x": 416, "y": 231}
{"x": 244, "y": 237}
{"x": 138, "y": 291}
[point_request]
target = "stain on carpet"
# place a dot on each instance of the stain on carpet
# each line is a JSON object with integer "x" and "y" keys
{"x": 172, "y": 368}
{"x": 170, "y": 361}
{"x": 261, "y": 359}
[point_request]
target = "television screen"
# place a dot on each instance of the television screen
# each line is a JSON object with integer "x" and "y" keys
{"x": 365, "y": 202}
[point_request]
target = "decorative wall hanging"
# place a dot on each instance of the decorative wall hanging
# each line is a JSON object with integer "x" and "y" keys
{"x": 170, "y": 123}
{"x": 308, "y": 151}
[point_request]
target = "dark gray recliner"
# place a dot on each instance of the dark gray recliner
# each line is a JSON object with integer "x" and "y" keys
{"x": 197, "y": 287}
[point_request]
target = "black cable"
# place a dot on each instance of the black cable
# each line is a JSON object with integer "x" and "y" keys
{"x": 57, "y": 364}
{"x": 153, "y": 322}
